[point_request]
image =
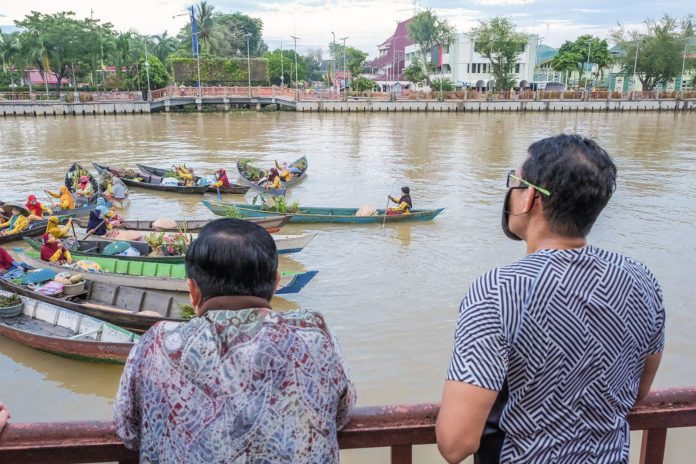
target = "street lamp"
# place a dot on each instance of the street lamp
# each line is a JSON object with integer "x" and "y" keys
{"x": 681, "y": 83}
{"x": 194, "y": 40}
{"x": 147, "y": 72}
{"x": 248, "y": 35}
{"x": 295, "y": 39}
{"x": 345, "y": 84}
{"x": 282, "y": 72}
{"x": 635, "y": 66}
{"x": 334, "y": 58}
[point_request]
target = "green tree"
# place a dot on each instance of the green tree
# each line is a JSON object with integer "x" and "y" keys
{"x": 236, "y": 27}
{"x": 414, "y": 72}
{"x": 164, "y": 45}
{"x": 211, "y": 35}
{"x": 443, "y": 85}
{"x": 574, "y": 55}
{"x": 158, "y": 75}
{"x": 500, "y": 42}
{"x": 363, "y": 84}
{"x": 288, "y": 67}
{"x": 313, "y": 64}
{"x": 355, "y": 58}
{"x": 428, "y": 31}
{"x": 660, "y": 50}
{"x": 10, "y": 49}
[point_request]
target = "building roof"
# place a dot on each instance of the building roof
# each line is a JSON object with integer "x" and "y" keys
{"x": 395, "y": 45}
{"x": 36, "y": 77}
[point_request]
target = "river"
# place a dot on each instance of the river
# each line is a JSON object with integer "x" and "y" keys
{"x": 391, "y": 295}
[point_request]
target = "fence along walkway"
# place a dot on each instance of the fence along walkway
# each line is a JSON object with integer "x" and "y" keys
{"x": 397, "y": 427}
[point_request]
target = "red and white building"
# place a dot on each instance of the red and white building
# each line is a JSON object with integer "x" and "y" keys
{"x": 388, "y": 68}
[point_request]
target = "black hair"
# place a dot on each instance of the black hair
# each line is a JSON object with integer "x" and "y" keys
{"x": 580, "y": 176}
{"x": 233, "y": 257}
{"x": 406, "y": 190}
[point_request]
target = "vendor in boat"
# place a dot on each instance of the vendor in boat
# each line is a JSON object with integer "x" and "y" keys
{"x": 404, "y": 203}
{"x": 36, "y": 209}
{"x": 284, "y": 172}
{"x": 84, "y": 187}
{"x": 119, "y": 192}
{"x": 19, "y": 220}
{"x": 8, "y": 263}
{"x": 221, "y": 180}
{"x": 55, "y": 229}
{"x": 66, "y": 199}
{"x": 97, "y": 224}
{"x": 53, "y": 251}
{"x": 274, "y": 180}
{"x": 113, "y": 218}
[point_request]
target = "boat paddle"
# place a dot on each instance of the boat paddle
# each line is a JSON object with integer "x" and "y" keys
{"x": 91, "y": 232}
{"x": 386, "y": 208}
{"x": 73, "y": 229}
{"x": 219, "y": 194}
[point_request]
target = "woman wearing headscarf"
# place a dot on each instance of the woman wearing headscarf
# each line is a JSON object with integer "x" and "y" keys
{"x": 404, "y": 203}
{"x": 17, "y": 222}
{"x": 284, "y": 172}
{"x": 274, "y": 180}
{"x": 84, "y": 187}
{"x": 53, "y": 251}
{"x": 55, "y": 229}
{"x": 66, "y": 199}
{"x": 221, "y": 179}
{"x": 36, "y": 209}
{"x": 97, "y": 221}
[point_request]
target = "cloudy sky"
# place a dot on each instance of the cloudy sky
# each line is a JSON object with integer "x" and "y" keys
{"x": 365, "y": 22}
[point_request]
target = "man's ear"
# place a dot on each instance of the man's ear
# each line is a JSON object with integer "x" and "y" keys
{"x": 529, "y": 195}
{"x": 194, "y": 295}
{"x": 277, "y": 282}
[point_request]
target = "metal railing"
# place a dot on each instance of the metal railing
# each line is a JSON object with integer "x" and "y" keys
{"x": 397, "y": 427}
{"x": 68, "y": 96}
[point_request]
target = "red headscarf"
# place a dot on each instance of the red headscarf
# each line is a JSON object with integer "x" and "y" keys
{"x": 36, "y": 208}
{"x": 48, "y": 249}
{"x": 6, "y": 260}
{"x": 223, "y": 178}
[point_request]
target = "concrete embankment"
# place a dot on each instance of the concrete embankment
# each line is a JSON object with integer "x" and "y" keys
{"x": 328, "y": 106}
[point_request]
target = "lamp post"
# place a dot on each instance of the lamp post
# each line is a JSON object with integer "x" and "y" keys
{"x": 248, "y": 35}
{"x": 194, "y": 41}
{"x": 589, "y": 50}
{"x": 282, "y": 71}
{"x": 345, "y": 83}
{"x": 334, "y": 58}
{"x": 635, "y": 66}
{"x": 147, "y": 72}
{"x": 681, "y": 83}
{"x": 295, "y": 39}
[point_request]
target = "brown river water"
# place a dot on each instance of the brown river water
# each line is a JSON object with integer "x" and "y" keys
{"x": 391, "y": 295}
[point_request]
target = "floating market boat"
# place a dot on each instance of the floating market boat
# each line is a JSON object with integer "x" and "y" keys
{"x": 233, "y": 188}
{"x": 147, "y": 181}
{"x": 81, "y": 212}
{"x": 72, "y": 178}
{"x": 255, "y": 177}
{"x": 155, "y": 276}
{"x": 323, "y": 215}
{"x": 107, "y": 181}
{"x": 271, "y": 224}
{"x": 135, "y": 309}
{"x": 88, "y": 249}
{"x": 61, "y": 331}
{"x": 35, "y": 229}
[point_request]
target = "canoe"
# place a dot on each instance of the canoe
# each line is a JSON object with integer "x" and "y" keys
{"x": 72, "y": 177}
{"x": 81, "y": 212}
{"x": 148, "y": 181}
{"x": 35, "y": 229}
{"x": 89, "y": 249}
{"x": 155, "y": 276}
{"x": 134, "y": 309}
{"x": 233, "y": 188}
{"x": 251, "y": 175}
{"x": 285, "y": 244}
{"x": 194, "y": 225}
{"x": 309, "y": 215}
{"x": 54, "y": 329}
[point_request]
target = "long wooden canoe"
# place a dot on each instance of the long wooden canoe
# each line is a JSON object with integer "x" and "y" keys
{"x": 233, "y": 188}
{"x": 61, "y": 331}
{"x": 155, "y": 276}
{"x": 193, "y": 225}
{"x": 250, "y": 176}
{"x": 81, "y": 212}
{"x": 148, "y": 181}
{"x": 89, "y": 249}
{"x": 324, "y": 215}
{"x": 35, "y": 229}
{"x": 72, "y": 178}
{"x": 134, "y": 309}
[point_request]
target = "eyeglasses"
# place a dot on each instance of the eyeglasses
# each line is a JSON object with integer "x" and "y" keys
{"x": 513, "y": 181}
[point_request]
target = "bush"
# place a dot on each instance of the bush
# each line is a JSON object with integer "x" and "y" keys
{"x": 447, "y": 85}
{"x": 219, "y": 70}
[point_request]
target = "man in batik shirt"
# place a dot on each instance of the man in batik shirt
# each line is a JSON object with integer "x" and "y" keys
{"x": 239, "y": 382}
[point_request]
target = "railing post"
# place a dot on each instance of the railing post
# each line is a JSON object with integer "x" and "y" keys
{"x": 652, "y": 449}
{"x": 402, "y": 454}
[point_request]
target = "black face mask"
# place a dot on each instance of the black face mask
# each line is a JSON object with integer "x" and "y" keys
{"x": 506, "y": 217}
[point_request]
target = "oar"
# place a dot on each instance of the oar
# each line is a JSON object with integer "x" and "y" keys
{"x": 219, "y": 194}
{"x": 72, "y": 224}
{"x": 94, "y": 230}
{"x": 384, "y": 221}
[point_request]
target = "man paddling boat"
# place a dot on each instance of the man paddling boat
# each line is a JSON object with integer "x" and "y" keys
{"x": 404, "y": 203}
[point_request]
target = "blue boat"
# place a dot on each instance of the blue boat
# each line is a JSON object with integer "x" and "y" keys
{"x": 254, "y": 177}
{"x": 308, "y": 215}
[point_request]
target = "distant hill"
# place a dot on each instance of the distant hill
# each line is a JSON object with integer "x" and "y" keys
{"x": 544, "y": 52}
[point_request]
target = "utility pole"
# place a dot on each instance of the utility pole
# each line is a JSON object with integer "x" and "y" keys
{"x": 345, "y": 83}
{"x": 635, "y": 66}
{"x": 282, "y": 72}
{"x": 147, "y": 72}
{"x": 681, "y": 83}
{"x": 248, "y": 35}
{"x": 334, "y": 58}
{"x": 589, "y": 50}
{"x": 296, "y": 39}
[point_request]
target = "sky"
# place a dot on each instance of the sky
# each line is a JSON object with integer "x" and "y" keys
{"x": 366, "y": 23}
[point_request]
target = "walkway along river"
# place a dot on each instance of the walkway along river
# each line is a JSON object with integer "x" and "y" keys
{"x": 390, "y": 295}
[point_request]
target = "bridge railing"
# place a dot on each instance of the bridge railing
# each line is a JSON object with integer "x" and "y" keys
{"x": 397, "y": 427}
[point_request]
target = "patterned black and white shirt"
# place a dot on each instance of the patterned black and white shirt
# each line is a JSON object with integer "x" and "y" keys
{"x": 569, "y": 330}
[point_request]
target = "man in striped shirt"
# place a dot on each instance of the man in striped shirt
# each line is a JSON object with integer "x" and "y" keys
{"x": 551, "y": 352}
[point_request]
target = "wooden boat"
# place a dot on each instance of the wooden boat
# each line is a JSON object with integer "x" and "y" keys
{"x": 72, "y": 178}
{"x": 252, "y": 176}
{"x": 134, "y": 309}
{"x": 325, "y": 215}
{"x": 271, "y": 224}
{"x": 106, "y": 180}
{"x": 155, "y": 276}
{"x": 76, "y": 213}
{"x": 35, "y": 229}
{"x": 233, "y": 188}
{"x": 51, "y": 328}
{"x": 285, "y": 244}
{"x": 88, "y": 249}
{"x": 148, "y": 181}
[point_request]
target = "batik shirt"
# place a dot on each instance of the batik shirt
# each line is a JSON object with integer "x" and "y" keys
{"x": 570, "y": 331}
{"x": 246, "y": 386}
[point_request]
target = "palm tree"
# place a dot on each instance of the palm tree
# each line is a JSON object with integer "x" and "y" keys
{"x": 210, "y": 35}
{"x": 36, "y": 52}
{"x": 164, "y": 46}
{"x": 9, "y": 51}
{"x": 121, "y": 52}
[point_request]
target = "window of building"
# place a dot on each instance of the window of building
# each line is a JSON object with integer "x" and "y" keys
{"x": 517, "y": 68}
